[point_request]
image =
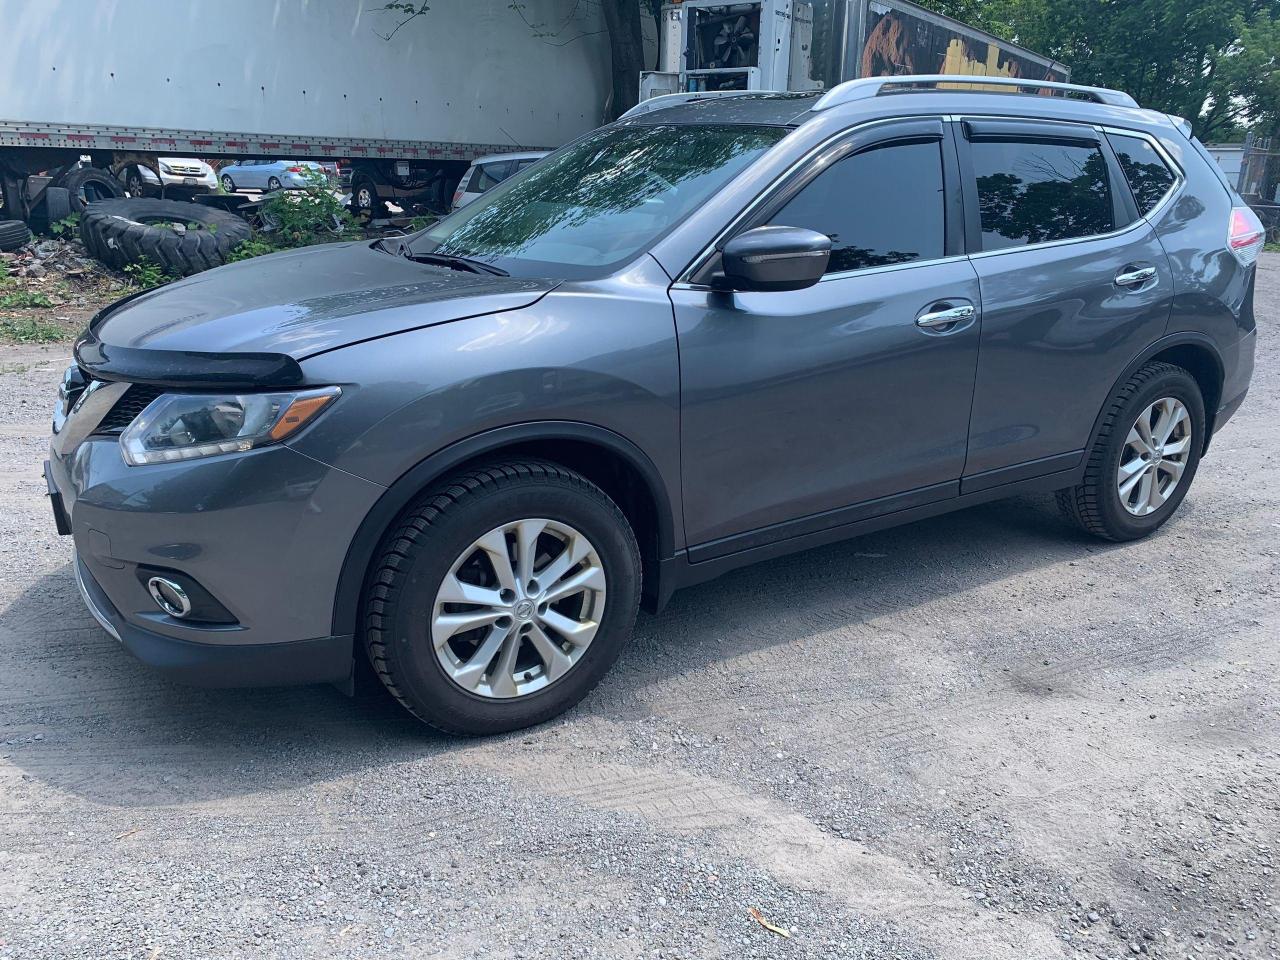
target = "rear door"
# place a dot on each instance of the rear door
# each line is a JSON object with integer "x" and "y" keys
{"x": 805, "y": 409}
{"x": 1074, "y": 284}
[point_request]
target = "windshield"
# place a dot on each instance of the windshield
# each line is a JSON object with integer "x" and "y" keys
{"x": 599, "y": 202}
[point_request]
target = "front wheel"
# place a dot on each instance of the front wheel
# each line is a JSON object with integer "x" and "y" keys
{"x": 1144, "y": 458}
{"x": 228, "y": 184}
{"x": 502, "y": 598}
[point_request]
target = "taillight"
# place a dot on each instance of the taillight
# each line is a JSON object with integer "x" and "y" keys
{"x": 457, "y": 196}
{"x": 1247, "y": 235}
{"x": 295, "y": 170}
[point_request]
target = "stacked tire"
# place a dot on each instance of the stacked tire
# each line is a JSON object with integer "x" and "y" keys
{"x": 181, "y": 238}
{"x": 13, "y": 234}
{"x": 84, "y": 185}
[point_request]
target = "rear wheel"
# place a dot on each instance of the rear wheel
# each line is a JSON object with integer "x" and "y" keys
{"x": 1144, "y": 458}
{"x": 365, "y": 199}
{"x": 502, "y": 598}
{"x": 273, "y": 183}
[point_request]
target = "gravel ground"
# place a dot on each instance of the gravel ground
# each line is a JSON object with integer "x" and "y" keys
{"x": 980, "y": 736}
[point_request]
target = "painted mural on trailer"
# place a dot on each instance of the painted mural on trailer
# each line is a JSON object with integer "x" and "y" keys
{"x": 898, "y": 43}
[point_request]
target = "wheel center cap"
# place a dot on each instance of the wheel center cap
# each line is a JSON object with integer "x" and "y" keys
{"x": 523, "y": 610}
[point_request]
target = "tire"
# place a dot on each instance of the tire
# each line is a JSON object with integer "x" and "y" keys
{"x": 121, "y": 232}
{"x": 273, "y": 184}
{"x": 1097, "y": 505}
{"x": 228, "y": 184}
{"x": 89, "y": 184}
{"x": 365, "y": 199}
{"x": 439, "y": 533}
{"x": 57, "y": 204}
{"x": 134, "y": 185}
{"x": 13, "y": 234}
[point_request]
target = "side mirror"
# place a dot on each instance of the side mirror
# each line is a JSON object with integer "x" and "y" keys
{"x": 774, "y": 258}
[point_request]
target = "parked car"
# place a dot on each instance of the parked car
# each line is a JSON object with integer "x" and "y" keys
{"x": 487, "y": 172}
{"x": 181, "y": 175}
{"x": 261, "y": 174}
{"x": 718, "y": 332}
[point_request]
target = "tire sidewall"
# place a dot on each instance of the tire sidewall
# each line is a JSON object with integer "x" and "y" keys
{"x": 1171, "y": 383}
{"x": 228, "y": 184}
{"x": 407, "y": 616}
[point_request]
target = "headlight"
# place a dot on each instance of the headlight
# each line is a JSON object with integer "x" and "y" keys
{"x": 187, "y": 426}
{"x": 164, "y": 168}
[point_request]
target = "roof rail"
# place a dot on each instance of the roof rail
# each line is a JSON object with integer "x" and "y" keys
{"x": 868, "y": 87}
{"x": 675, "y": 99}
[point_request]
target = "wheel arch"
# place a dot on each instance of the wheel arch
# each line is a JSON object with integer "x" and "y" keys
{"x": 609, "y": 460}
{"x": 1193, "y": 352}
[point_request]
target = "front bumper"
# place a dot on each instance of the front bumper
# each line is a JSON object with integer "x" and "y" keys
{"x": 323, "y": 660}
{"x": 208, "y": 183}
{"x": 264, "y": 533}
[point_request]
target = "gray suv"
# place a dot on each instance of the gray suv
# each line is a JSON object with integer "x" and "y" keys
{"x": 717, "y": 331}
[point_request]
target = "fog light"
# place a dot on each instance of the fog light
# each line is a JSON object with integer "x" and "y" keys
{"x": 169, "y": 597}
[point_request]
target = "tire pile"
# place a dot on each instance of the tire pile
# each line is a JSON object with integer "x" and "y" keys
{"x": 179, "y": 237}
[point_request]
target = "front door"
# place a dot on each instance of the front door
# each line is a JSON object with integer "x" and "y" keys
{"x": 806, "y": 409}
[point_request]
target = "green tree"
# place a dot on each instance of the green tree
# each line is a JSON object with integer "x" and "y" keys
{"x": 1215, "y": 62}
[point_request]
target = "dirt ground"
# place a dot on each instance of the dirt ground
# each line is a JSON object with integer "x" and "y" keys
{"x": 981, "y": 737}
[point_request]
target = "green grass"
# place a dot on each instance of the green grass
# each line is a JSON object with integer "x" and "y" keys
{"x": 29, "y": 330}
{"x": 20, "y": 299}
{"x": 1272, "y": 248}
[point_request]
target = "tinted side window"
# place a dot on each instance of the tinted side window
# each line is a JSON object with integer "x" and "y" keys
{"x": 1034, "y": 192}
{"x": 882, "y": 206}
{"x": 1149, "y": 176}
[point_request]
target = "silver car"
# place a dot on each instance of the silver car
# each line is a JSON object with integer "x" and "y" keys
{"x": 487, "y": 172}
{"x": 187, "y": 173}
{"x": 261, "y": 174}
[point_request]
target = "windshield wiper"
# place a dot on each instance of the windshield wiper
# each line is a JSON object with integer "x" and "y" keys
{"x": 452, "y": 261}
{"x": 449, "y": 260}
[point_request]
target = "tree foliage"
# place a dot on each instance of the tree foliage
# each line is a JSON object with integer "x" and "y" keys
{"x": 1215, "y": 62}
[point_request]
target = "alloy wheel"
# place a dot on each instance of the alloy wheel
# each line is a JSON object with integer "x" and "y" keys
{"x": 518, "y": 609}
{"x": 1155, "y": 455}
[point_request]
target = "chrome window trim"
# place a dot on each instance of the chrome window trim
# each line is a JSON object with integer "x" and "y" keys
{"x": 1128, "y": 228}
{"x": 846, "y": 274}
{"x": 1142, "y": 219}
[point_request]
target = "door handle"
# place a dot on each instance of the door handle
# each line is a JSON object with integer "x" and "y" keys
{"x": 1133, "y": 278}
{"x": 944, "y": 318}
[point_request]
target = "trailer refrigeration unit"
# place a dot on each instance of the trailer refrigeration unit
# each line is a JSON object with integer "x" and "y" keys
{"x": 90, "y": 88}
{"x": 712, "y": 46}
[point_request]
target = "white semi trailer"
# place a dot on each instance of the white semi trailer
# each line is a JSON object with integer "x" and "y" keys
{"x": 127, "y": 81}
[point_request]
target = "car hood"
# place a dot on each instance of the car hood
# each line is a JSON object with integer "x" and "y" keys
{"x": 294, "y": 305}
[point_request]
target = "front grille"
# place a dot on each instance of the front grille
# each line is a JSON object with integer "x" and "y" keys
{"x": 127, "y": 408}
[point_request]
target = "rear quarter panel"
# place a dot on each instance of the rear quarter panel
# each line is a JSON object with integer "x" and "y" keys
{"x": 1211, "y": 288}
